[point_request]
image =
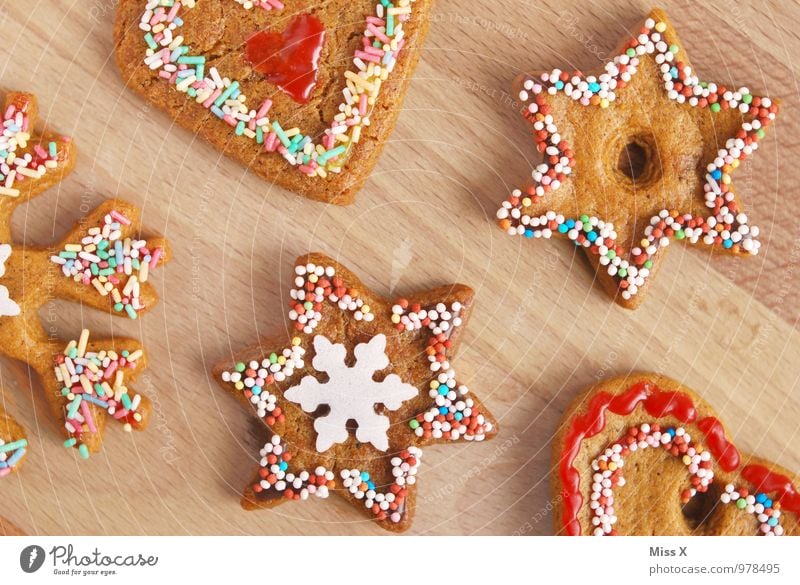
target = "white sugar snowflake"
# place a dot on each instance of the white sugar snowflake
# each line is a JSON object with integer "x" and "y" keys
{"x": 351, "y": 393}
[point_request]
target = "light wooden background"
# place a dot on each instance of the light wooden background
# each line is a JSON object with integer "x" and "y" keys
{"x": 540, "y": 331}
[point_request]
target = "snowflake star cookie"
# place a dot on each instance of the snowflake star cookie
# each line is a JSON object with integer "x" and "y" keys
{"x": 102, "y": 263}
{"x": 304, "y": 94}
{"x": 644, "y": 455}
{"x": 356, "y": 394}
{"x": 637, "y": 157}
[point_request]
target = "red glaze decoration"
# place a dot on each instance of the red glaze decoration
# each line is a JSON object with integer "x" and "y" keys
{"x": 770, "y": 482}
{"x": 658, "y": 404}
{"x": 289, "y": 59}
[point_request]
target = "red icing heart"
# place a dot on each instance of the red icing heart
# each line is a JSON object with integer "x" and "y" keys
{"x": 289, "y": 59}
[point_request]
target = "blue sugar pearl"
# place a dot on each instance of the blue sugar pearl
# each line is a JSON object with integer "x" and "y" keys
{"x": 559, "y": 84}
{"x": 594, "y": 87}
{"x": 767, "y": 503}
{"x": 442, "y": 410}
{"x": 727, "y": 243}
{"x": 716, "y": 175}
{"x": 570, "y": 223}
{"x": 443, "y": 389}
{"x": 674, "y": 72}
{"x": 458, "y": 416}
{"x": 671, "y": 432}
{"x": 772, "y": 521}
{"x": 591, "y": 236}
{"x": 529, "y": 233}
{"x": 761, "y": 498}
{"x": 284, "y": 466}
{"x": 256, "y": 390}
{"x": 562, "y": 228}
{"x": 364, "y": 476}
{"x": 370, "y": 485}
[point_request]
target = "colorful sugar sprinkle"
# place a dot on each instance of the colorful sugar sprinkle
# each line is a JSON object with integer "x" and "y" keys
{"x": 726, "y": 226}
{"x": 15, "y": 165}
{"x": 452, "y": 415}
{"x": 382, "y": 41}
{"x": 93, "y": 381}
{"x": 114, "y": 266}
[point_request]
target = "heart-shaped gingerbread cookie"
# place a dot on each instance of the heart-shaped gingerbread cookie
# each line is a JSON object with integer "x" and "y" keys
{"x": 644, "y": 455}
{"x": 304, "y": 94}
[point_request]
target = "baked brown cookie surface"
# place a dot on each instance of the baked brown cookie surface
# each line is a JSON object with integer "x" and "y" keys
{"x": 103, "y": 263}
{"x": 636, "y": 157}
{"x": 354, "y": 395}
{"x": 644, "y": 455}
{"x": 231, "y": 75}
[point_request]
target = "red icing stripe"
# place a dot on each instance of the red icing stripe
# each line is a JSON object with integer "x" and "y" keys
{"x": 657, "y": 403}
{"x": 770, "y": 482}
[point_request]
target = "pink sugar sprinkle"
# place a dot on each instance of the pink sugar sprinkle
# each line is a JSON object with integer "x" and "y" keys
{"x": 87, "y": 414}
{"x": 262, "y": 111}
{"x": 112, "y": 367}
{"x": 367, "y": 56}
{"x": 271, "y": 142}
{"x": 306, "y": 169}
{"x": 9, "y": 113}
{"x": 164, "y": 74}
{"x": 173, "y": 12}
{"x": 119, "y": 217}
{"x": 230, "y": 120}
{"x": 212, "y": 98}
{"x": 156, "y": 257}
{"x": 328, "y": 141}
{"x": 121, "y": 413}
{"x": 5, "y": 471}
{"x": 362, "y": 104}
{"x": 374, "y": 51}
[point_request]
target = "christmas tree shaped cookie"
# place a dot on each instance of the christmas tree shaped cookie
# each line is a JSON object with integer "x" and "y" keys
{"x": 102, "y": 263}
{"x": 356, "y": 394}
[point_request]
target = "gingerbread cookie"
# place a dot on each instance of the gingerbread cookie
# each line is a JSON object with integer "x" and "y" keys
{"x": 13, "y": 444}
{"x": 636, "y": 157}
{"x": 352, "y": 398}
{"x": 303, "y": 94}
{"x": 622, "y": 433}
{"x": 102, "y": 263}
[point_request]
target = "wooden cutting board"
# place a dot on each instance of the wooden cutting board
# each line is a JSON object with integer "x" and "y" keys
{"x": 540, "y": 331}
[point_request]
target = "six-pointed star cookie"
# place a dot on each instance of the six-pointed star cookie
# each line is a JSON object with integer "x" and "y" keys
{"x": 352, "y": 398}
{"x": 635, "y": 157}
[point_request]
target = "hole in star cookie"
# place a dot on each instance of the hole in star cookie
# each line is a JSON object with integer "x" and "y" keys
{"x": 637, "y": 160}
{"x": 700, "y": 508}
{"x": 632, "y": 161}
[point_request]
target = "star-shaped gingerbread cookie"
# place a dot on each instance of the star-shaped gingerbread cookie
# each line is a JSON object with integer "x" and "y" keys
{"x": 352, "y": 398}
{"x": 102, "y": 263}
{"x": 636, "y": 157}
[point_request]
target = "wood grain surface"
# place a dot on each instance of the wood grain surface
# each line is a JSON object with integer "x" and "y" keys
{"x": 540, "y": 330}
